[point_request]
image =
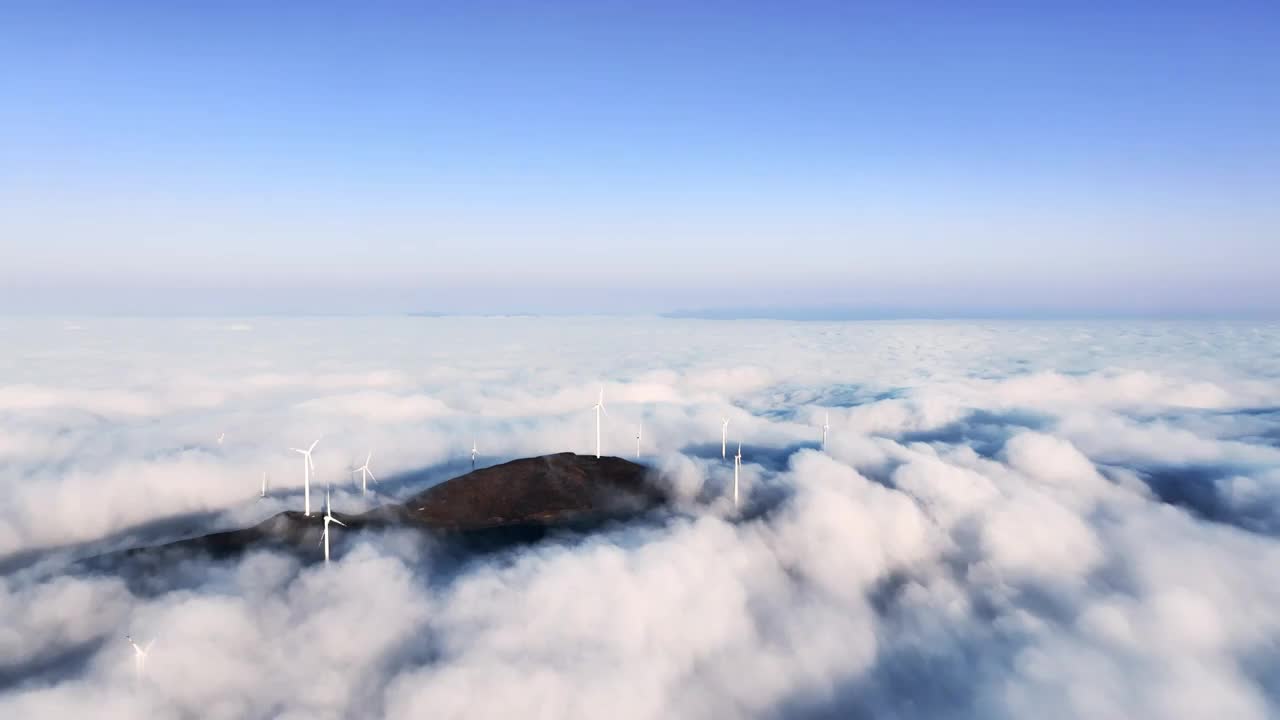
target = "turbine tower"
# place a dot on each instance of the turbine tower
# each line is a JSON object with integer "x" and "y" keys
{"x": 307, "y": 467}
{"x": 139, "y": 654}
{"x": 264, "y": 484}
{"x": 737, "y": 466}
{"x": 639, "y": 434}
{"x": 365, "y": 475}
{"x": 599, "y": 408}
{"x": 826, "y": 426}
{"x": 724, "y": 437}
{"x": 473, "y": 453}
{"x": 328, "y": 518}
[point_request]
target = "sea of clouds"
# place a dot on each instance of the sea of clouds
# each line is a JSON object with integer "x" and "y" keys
{"x": 1009, "y": 519}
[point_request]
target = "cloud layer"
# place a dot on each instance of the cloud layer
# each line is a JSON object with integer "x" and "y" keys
{"x": 1008, "y": 519}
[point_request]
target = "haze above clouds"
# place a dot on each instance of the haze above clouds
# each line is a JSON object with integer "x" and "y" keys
{"x": 1010, "y": 519}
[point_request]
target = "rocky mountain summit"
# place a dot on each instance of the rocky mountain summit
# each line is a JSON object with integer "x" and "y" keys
{"x": 518, "y": 500}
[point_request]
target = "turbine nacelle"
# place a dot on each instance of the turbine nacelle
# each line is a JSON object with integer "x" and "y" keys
{"x": 308, "y": 465}
{"x": 328, "y": 518}
{"x": 599, "y": 408}
{"x": 139, "y": 653}
{"x": 365, "y": 473}
{"x": 737, "y": 469}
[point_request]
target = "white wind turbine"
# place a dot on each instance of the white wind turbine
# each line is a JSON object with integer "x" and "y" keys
{"x": 639, "y": 434}
{"x": 826, "y": 426}
{"x": 328, "y": 518}
{"x": 737, "y": 466}
{"x": 264, "y": 484}
{"x": 599, "y": 408}
{"x": 307, "y": 467}
{"x": 139, "y": 654}
{"x": 365, "y": 474}
{"x": 724, "y": 437}
{"x": 221, "y": 437}
{"x": 473, "y": 453}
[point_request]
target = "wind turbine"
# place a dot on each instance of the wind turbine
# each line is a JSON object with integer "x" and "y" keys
{"x": 365, "y": 475}
{"x": 328, "y": 518}
{"x": 307, "y": 467}
{"x": 724, "y": 437}
{"x": 264, "y": 484}
{"x": 473, "y": 453}
{"x": 737, "y": 466}
{"x": 599, "y": 408}
{"x": 221, "y": 437}
{"x": 639, "y": 434}
{"x": 826, "y": 425}
{"x": 139, "y": 654}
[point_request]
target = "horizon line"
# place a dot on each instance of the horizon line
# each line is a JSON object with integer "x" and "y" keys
{"x": 781, "y": 314}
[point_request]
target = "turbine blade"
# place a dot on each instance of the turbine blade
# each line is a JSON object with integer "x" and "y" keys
{"x": 313, "y": 445}
{"x": 339, "y": 522}
{"x": 367, "y": 458}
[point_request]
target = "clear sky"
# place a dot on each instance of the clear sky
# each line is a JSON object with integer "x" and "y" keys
{"x": 949, "y": 157}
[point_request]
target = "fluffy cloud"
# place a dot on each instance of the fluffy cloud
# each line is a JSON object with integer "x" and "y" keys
{"x": 1001, "y": 524}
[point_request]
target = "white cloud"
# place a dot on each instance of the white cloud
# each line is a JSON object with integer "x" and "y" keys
{"x": 1003, "y": 526}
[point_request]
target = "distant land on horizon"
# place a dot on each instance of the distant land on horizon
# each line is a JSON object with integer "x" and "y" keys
{"x": 871, "y": 313}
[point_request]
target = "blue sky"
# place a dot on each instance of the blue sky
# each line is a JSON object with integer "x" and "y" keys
{"x": 626, "y": 156}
